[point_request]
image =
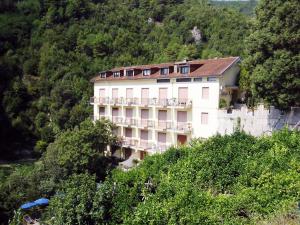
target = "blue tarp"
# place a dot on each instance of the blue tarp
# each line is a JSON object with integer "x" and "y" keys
{"x": 38, "y": 202}
{"x": 42, "y": 201}
{"x": 28, "y": 205}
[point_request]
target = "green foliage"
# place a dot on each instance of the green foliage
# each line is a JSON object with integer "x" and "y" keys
{"x": 222, "y": 104}
{"x": 272, "y": 62}
{"x": 76, "y": 151}
{"x": 235, "y": 179}
{"x": 245, "y": 7}
{"x": 80, "y": 149}
{"x": 74, "y": 202}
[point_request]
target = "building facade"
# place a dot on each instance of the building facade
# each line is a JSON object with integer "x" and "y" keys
{"x": 160, "y": 105}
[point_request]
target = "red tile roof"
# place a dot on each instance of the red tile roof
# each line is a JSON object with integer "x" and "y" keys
{"x": 199, "y": 68}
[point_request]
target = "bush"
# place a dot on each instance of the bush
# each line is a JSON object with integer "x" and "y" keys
{"x": 232, "y": 179}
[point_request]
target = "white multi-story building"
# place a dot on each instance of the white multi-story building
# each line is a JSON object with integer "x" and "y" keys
{"x": 156, "y": 106}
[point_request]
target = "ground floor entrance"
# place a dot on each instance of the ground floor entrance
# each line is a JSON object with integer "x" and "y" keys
{"x": 181, "y": 139}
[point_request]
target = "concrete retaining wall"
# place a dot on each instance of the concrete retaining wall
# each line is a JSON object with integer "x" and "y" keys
{"x": 258, "y": 121}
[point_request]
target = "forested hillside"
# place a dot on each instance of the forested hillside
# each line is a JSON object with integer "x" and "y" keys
{"x": 50, "y": 49}
{"x": 245, "y": 7}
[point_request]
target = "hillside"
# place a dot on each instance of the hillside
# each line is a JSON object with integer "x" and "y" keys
{"x": 245, "y": 7}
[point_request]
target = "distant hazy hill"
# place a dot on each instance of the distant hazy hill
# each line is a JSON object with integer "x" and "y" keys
{"x": 245, "y": 7}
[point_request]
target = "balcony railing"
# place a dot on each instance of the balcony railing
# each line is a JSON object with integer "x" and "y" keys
{"x": 117, "y": 119}
{"x": 161, "y": 147}
{"x": 116, "y": 101}
{"x": 145, "y": 144}
{"x": 130, "y": 121}
{"x": 164, "y": 102}
{"x": 182, "y": 102}
{"x": 98, "y": 117}
{"x": 130, "y": 101}
{"x": 163, "y": 124}
{"x": 145, "y": 123}
{"x": 146, "y": 101}
{"x": 99, "y": 100}
{"x": 129, "y": 142}
{"x": 183, "y": 126}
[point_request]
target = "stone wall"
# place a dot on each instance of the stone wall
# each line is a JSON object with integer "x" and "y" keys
{"x": 258, "y": 121}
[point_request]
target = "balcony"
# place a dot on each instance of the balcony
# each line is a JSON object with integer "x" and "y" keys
{"x": 130, "y": 121}
{"x": 99, "y": 117}
{"x": 183, "y": 127}
{"x": 146, "y": 144}
{"x": 145, "y": 123}
{"x": 163, "y": 102}
{"x": 163, "y": 125}
{"x": 99, "y": 100}
{"x": 129, "y": 142}
{"x": 182, "y": 102}
{"x": 145, "y": 102}
{"x": 130, "y": 101}
{"x": 162, "y": 147}
{"x": 117, "y": 119}
{"x": 116, "y": 101}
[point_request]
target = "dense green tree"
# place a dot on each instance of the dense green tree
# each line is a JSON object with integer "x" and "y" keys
{"x": 236, "y": 179}
{"x": 273, "y": 60}
{"x": 80, "y": 149}
{"x": 74, "y": 151}
{"x": 74, "y": 202}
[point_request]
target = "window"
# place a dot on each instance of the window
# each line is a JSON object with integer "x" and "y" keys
{"x": 184, "y": 69}
{"x": 129, "y": 73}
{"x": 129, "y": 113}
{"x": 129, "y": 93}
{"x": 144, "y": 135}
{"x": 115, "y": 112}
{"x": 182, "y": 95}
{"x": 101, "y": 111}
{"x": 128, "y": 132}
{"x": 198, "y": 79}
{"x": 163, "y": 80}
{"x": 116, "y": 74}
{"x": 146, "y": 72}
{"x": 205, "y": 92}
{"x": 164, "y": 71}
{"x": 204, "y": 118}
{"x": 181, "y": 116}
{"x": 116, "y": 131}
{"x": 115, "y": 93}
{"x": 162, "y": 137}
{"x": 162, "y": 115}
{"x": 183, "y": 80}
{"x": 102, "y": 92}
{"x": 211, "y": 79}
{"x": 103, "y": 75}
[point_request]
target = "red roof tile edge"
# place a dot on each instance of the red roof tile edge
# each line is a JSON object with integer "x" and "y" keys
{"x": 204, "y": 67}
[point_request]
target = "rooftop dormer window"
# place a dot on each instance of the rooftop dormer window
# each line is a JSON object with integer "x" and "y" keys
{"x": 129, "y": 73}
{"x": 146, "y": 72}
{"x": 103, "y": 75}
{"x": 164, "y": 71}
{"x": 184, "y": 69}
{"x": 116, "y": 74}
